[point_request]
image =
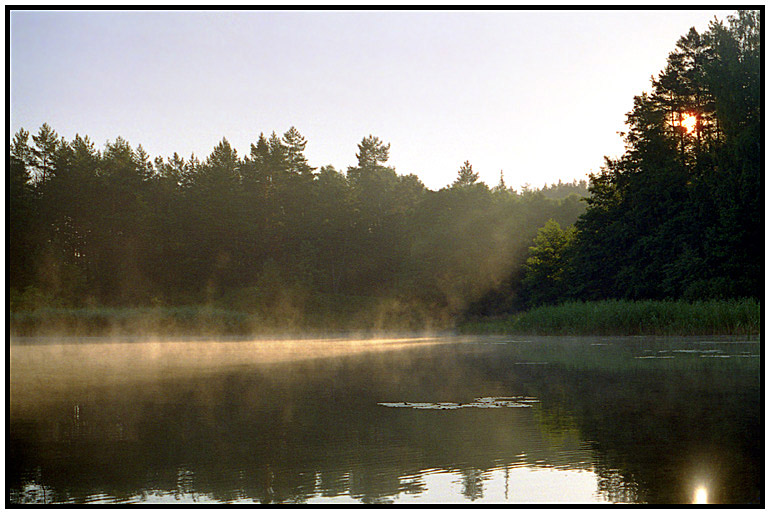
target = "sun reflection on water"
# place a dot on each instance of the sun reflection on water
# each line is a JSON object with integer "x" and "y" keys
{"x": 701, "y": 495}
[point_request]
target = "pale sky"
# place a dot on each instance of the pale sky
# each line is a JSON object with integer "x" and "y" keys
{"x": 540, "y": 95}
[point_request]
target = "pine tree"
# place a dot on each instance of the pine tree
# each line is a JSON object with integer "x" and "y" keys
{"x": 20, "y": 148}
{"x": 143, "y": 163}
{"x": 46, "y": 143}
{"x": 223, "y": 163}
{"x": 465, "y": 176}
{"x": 372, "y": 152}
{"x": 295, "y": 156}
{"x": 501, "y": 187}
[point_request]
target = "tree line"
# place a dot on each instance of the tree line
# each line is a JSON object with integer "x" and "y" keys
{"x": 113, "y": 227}
{"x": 680, "y": 213}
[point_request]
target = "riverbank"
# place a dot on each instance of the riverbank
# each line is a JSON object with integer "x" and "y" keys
{"x": 317, "y": 316}
{"x": 605, "y": 318}
{"x": 623, "y": 317}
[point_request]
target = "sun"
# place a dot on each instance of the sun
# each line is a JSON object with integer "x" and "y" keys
{"x": 688, "y": 121}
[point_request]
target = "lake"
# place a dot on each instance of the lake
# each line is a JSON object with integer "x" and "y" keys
{"x": 393, "y": 420}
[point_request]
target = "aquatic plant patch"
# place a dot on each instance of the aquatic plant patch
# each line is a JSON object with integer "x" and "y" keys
{"x": 489, "y": 402}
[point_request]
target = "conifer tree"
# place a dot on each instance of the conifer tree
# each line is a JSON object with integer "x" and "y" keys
{"x": 20, "y": 148}
{"x": 46, "y": 143}
{"x": 465, "y": 176}
{"x": 372, "y": 152}
{"x": 296, "y": 161}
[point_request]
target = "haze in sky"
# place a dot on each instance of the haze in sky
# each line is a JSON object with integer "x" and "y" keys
{"x": 539, "y": 95}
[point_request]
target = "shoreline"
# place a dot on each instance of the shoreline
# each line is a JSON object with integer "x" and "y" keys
{"x": 600, "y": 318}
{"x": 741, "y": 317}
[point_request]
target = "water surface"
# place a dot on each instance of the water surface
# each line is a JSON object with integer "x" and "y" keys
{"x": 423, "y": 420}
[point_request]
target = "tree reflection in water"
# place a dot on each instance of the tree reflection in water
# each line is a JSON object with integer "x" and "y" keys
{"x": 313, "y": 430}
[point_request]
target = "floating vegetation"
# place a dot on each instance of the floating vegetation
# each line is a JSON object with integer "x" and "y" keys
{"x": 698, "y": 351}
{"x": 488, "y": 402}
{"x": 713, "y": 353}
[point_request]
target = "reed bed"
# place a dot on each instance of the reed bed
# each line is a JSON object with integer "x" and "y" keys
{"x": 624, "y": 317}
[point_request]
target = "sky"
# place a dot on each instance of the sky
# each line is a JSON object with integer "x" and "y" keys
{"x": 537, "y": 94}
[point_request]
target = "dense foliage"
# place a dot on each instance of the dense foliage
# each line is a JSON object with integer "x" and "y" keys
{"x": 680, "y": 214}
{"x": 265, "y": 233}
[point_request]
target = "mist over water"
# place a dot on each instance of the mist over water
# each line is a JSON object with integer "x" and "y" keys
{"x": 116, "y": 256}
{"x": 319, "y": 420}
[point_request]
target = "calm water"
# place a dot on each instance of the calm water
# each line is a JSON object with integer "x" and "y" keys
{"x": 452, "y": 420}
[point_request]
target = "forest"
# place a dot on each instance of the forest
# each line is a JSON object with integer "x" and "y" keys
{"x": 678, "y": 216}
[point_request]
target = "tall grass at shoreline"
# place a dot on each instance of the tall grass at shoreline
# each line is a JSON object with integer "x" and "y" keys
{"x": 624, "y": 317}
{"x": 610, "y": 317}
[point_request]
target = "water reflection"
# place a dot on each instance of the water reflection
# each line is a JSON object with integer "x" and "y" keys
{"x": 701, "y": 495}
{"x": 605, "y": 427}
